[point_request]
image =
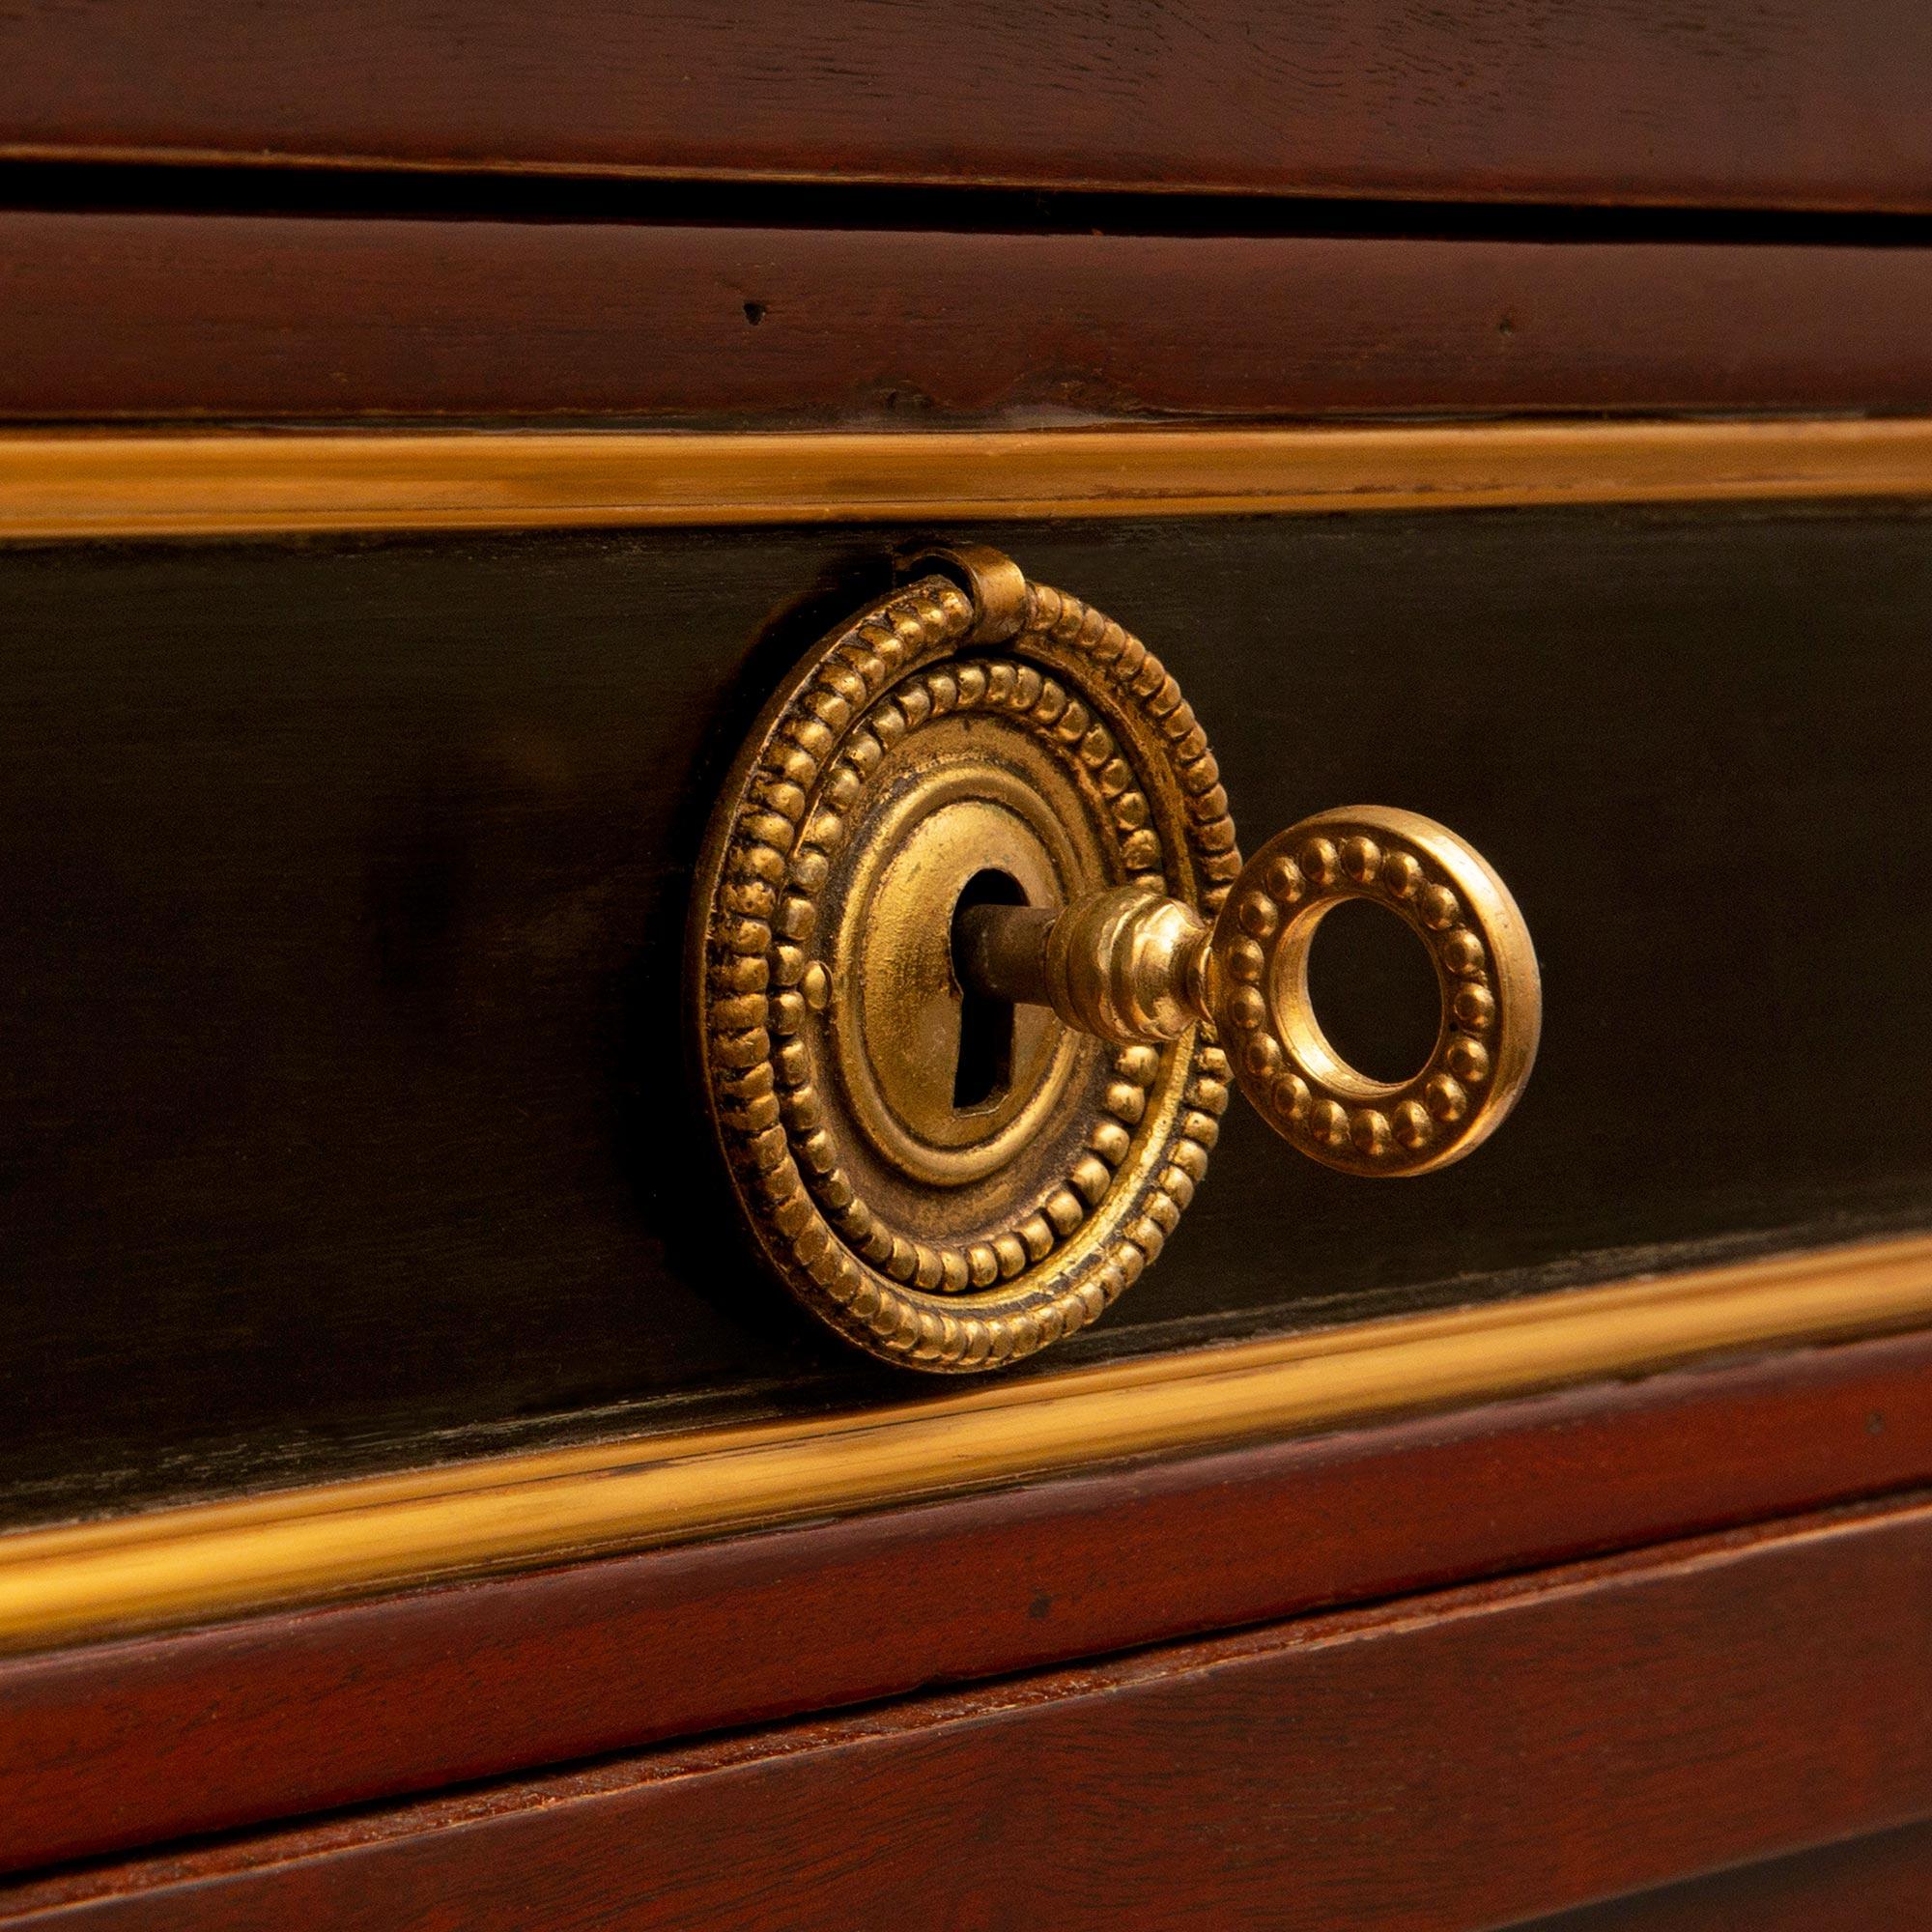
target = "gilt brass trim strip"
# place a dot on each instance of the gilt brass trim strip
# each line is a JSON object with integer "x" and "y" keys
{"x": 213, "y": 1560}
{"x": 62, "y": 484}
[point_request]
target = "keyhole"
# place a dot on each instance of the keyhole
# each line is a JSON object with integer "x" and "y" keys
{"x": 985, "y": 1068}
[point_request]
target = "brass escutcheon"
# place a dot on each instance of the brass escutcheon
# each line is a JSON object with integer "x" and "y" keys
{"x": 971, "y": 932}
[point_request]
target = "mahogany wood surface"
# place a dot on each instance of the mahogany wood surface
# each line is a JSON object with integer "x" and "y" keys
{"x": 263, "y": 316}
{"x": 134, "y": 1742}
{"x": 1750, "y": 103}
{"x": 1876, "y": 1884}
{"x": 1428, "y": 1764}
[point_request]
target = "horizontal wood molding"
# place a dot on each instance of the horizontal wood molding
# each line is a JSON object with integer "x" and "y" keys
{"x": 1748, "y": 102}
{"x": 216, "y": 1559}
{"x": 111, "y": 1746}
{"x": 1437, "y": 1763}
{"x": 1857, "y": 1885}
{"x": 252, "y": 318}
{"x": 63, "y": 485}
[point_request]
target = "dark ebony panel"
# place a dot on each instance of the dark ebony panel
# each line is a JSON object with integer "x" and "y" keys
{"x": 342, "y": 1113}
{"x": 1713, "y": 102}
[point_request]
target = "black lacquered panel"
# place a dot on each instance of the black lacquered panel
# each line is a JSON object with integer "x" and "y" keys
{"x": 343, "y": 1117}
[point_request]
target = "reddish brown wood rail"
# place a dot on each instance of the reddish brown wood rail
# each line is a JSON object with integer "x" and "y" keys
{"x": 1433, "y": 1765}
{"x": 1877, "y": 1883}
{"x": 126, "y": 1744}
{"x": 213, "y": 317}
{"x": 1746, "y": 102}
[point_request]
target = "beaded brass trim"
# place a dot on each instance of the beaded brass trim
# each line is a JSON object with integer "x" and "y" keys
{"x": 1058, "y": 1253}
{"x": 1485, "y": 966}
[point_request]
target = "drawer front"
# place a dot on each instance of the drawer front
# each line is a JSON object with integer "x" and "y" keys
{"x": 345, "y": 1117}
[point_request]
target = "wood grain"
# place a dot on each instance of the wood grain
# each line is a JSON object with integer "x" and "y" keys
{"x": 125, "y": 1744}
{"x": 1431, "y": 1765}
{"x": 1749, "y": 103}
{"x": 1877, "y": 1883}
{"x": 211, "y": 316}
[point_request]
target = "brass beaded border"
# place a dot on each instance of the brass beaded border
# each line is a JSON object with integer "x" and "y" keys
{"x": 1431, "y": 1116}
{"x": 1023, "y": 694}
{"x": 770, "y": 856}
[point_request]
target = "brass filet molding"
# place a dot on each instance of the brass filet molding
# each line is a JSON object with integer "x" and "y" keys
{"x": 60, "y": 484}
{"x": 214, "y": 1560}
